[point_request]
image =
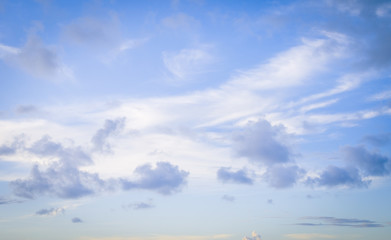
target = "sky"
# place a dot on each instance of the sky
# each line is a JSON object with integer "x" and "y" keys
{"x": 195, "y": 120}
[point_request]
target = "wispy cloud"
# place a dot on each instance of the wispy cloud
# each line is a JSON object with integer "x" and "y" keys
{"x": 50, "y": 211}
{"x": 341, "y": 222}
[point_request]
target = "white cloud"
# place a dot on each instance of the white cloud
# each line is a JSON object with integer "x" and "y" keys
{"x": 188, "y": 62}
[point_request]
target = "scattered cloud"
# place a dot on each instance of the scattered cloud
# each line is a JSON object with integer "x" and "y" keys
{"x": 341, "y": 222}
{"x": 110, "y": 128}
{"x": 371, "y": 164}
{"x": 378, "y": 140}
{"x": 50, "y": 212}
{"x": 283, "y": 176}
{"x": 165, "y": 178}
{"x": 76, "y": 220}
{"x": 225, "y": 175}
{"x": 334, "y": 176}
{"x": 37, "y": 59}
{"x": 254, "y": 236}
{"x": 260, "y": 142}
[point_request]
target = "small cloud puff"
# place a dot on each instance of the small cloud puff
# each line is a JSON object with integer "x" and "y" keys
{"x": 76, "y": 220}
{"x": 165, "y": 178}
{"x": 225, "y": 175}
{"x": 254, "y": 236}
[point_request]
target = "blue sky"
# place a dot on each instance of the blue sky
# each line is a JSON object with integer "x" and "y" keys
{"x": 195, "y": 120}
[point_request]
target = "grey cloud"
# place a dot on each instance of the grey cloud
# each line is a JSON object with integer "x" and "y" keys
{"x": 165, "y": 178}
{"x": 371, "y": 164}
{"x": 335, "y": 176}
{"x": 342, "y": 222}
{"x": 90, "y": 31}
{"x": 50, "y": 212}
{"x": 225, "y": 175}
{"x": 10, "y": 149}
{"x": 76, "y": 220}
{"x": 26, "y": 109}
{"x": 68, "y": 156}
{"x": 283, "y": 176}
{"x": 60, "y": 181}
{"x": 378, "y": 140}
{"x": 262, "y": 143}
{"x": 110, "y": 128}
{"x": 228, "y": 198}
{"x": 38, "y": 60}
{"x": 61, "y": 178}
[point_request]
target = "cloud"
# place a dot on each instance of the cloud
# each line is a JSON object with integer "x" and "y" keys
{"x": 228, "y": 198}
{"x": 50, "y": 212}
{"x": 283, "y": 176}
{"x": 371, "y": 164}
{"x": 4, "y": 201}
{"x": 341, "y": 222}
{"x": 254, "y": 236}
{"x": 165, "y": 178}
{"x": 309, "y": 236}
{"x": 334, "y": 176}
{"x": 140, "y": 205}
{"x": 76, "y": 220}
{"x": 187, "y": 62}
{"x": 10, "y": 149}
{"x": 26, "y": 109}
{"x": 111, "y": 128}
{"x": 378, "y": 140}
{"x": 225, "y": 175}
{"x": 61, "y": 178}
{"x": 381, "y": 96}
{"x": 91, "y": 31}
{"x": 37, "y": 60}
{"x": 260, "y": 142}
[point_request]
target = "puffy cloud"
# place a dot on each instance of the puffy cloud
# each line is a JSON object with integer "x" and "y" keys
{"x": 254, "y": 236}
{"x": 60, "y": 181}
{"x": 68, "y": 156}
{"x": 262, "y": 143}
{"x": 342, "y": 222}
{"x": 50, "y": 212}
{"x": 76, "y": 220}
{"x": 165, "y": 178}
{"x": 111, "y": 128}
{"x": 334, "y": 176}
{"x": 62, "y": 177}
{"x": 371, "y": 164}
{"x": 283, "y": 176}
{"x": 225, "y": 175}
